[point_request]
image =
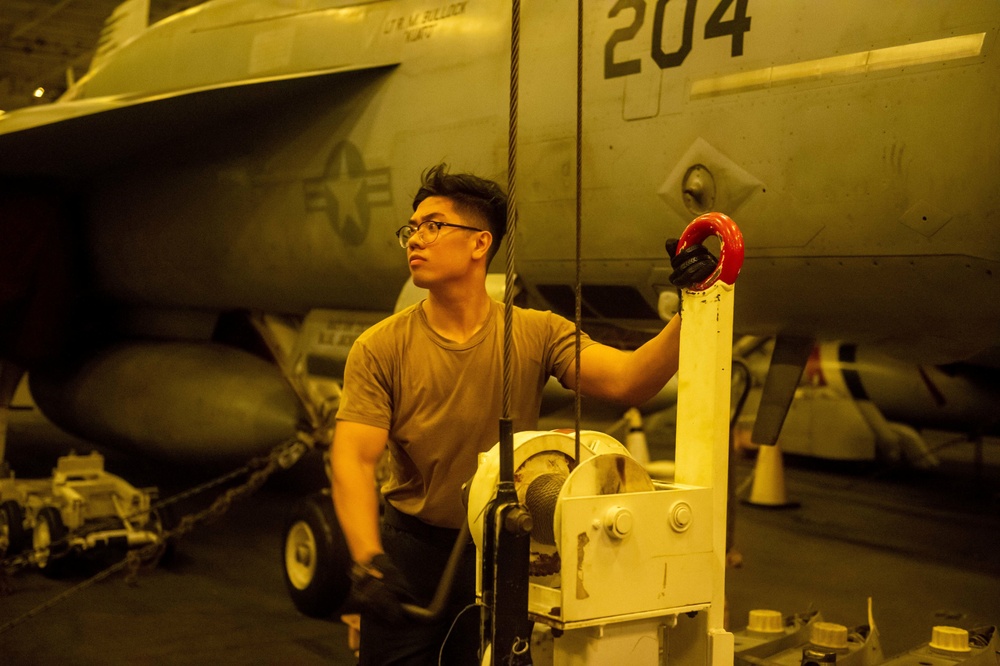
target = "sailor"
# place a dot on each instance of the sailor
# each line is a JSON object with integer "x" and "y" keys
{"x": 427, "y": 383}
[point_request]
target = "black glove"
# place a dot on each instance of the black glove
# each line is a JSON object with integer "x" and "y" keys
{"x": 691, "y": 265}
{"x": 381, "y": 589}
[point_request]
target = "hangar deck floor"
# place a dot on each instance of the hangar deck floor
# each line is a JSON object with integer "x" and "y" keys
{"x": 924, "y": 547}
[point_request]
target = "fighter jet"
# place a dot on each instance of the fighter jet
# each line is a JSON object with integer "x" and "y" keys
{"x": 197, "y": 230}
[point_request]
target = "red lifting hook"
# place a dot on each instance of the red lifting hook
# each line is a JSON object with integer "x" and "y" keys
{"x": 731, "y": 255}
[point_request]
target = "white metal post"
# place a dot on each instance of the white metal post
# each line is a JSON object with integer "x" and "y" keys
{"x": 702, "y": 444}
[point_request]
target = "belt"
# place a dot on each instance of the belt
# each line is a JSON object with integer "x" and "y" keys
{"x": 443, "y": 536}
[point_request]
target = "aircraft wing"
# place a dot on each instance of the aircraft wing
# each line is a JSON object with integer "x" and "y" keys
{"x": 67, "y": 138}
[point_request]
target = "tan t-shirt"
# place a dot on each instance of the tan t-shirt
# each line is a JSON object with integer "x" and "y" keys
{"x": 441, "y": 400}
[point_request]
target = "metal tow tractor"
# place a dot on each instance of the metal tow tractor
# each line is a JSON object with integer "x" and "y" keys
{"x": 80, "y": 508}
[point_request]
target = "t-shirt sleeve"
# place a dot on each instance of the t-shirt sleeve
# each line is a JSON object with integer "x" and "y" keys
{"x": 366, "y": 396}
{"x": 562, "y": 344}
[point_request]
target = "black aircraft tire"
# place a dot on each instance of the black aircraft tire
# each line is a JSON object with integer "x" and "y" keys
{"x": 12, "y": 522}
{"x": 314, "y": 557}
{"x": 49, "y": 542}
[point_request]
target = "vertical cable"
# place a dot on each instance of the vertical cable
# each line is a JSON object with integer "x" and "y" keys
{"x": 578, "y": 316}
{"x": 506, "y": 430}
{"x": 511, "y": 234}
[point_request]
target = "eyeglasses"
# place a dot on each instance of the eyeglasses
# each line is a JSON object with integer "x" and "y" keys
{"x": 428, "y": 231}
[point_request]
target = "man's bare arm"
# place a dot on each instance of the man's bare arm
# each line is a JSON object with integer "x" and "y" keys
{"x": 630, "y": 378}
{"x": 356, "y": 451}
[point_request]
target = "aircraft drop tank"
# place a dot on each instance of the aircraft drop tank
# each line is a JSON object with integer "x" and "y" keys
{"x": 184, "y": 401}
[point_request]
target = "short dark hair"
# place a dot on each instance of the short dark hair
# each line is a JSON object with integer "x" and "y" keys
{"x": 471, "y": 195}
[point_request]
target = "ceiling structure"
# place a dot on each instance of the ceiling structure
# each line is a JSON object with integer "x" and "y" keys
{"x": 41, "y": 41}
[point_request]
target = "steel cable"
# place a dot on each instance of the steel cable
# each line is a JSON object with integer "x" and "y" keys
{"x": 515, "y": 38}
{"x": 578, "y": 289}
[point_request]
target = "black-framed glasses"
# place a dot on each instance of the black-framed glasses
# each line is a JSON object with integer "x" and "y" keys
{"x": 428, "y": 231}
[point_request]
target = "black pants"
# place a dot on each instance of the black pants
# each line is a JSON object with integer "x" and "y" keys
{"x": 421, "y": 552}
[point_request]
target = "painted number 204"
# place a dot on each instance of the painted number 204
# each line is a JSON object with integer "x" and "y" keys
{"x": 716, "y": 26}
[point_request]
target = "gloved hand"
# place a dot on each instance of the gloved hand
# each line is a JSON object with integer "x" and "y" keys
{"x": 691, "y": 265}
{"x": 381, "y": 589}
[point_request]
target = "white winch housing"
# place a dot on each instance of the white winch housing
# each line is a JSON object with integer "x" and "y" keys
{"x": 628, "y": 550}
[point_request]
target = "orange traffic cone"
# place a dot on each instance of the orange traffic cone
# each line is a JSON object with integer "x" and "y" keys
{"x": 768, "y": 489}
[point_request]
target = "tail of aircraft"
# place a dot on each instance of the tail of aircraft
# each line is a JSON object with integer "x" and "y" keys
{"x": 129, "y": 20}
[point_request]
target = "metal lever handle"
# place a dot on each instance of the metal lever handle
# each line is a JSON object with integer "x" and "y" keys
{"x": 440, "y": 600}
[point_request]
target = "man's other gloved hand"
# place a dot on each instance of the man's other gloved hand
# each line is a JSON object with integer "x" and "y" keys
{"x": 692, "y": 265}
{"x": 380, "y": 588}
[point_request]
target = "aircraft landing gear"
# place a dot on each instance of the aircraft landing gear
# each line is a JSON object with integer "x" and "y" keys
{"x": 315, "y": 558}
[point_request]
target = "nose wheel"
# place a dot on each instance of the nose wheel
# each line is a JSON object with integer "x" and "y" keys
{"x": 315, "y": 557}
